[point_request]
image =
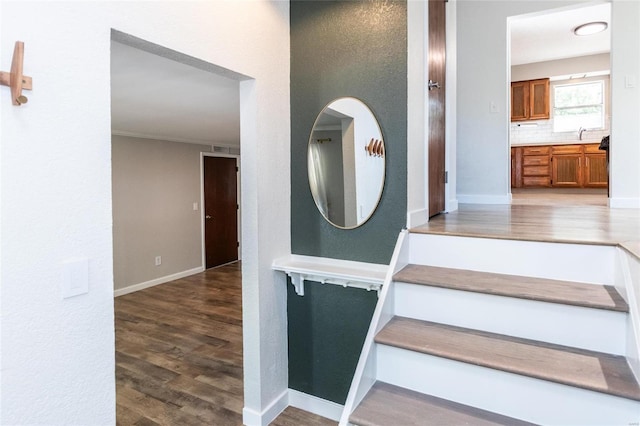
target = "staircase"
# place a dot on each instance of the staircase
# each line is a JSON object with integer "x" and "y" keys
{"x": 493, "y": 331}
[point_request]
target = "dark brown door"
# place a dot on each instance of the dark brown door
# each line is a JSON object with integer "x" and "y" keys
{"x": 221, "y": 210}
{"x": 436, "y": 106}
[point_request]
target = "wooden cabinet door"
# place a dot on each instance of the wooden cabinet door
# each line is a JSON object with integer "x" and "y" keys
{"x": 565, "y": 170}
{"x": 595, "y": 171}
{"x": 539, "y": 99}
{"x": 519, "y": 101}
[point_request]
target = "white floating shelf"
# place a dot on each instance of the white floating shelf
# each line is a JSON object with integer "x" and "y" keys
{"x": 346, "y": 273}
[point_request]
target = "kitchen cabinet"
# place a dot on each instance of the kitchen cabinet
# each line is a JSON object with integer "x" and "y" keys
{"x": 530, "y": 166}
{"x": 535, "y": 166}
{"x": 596, "y": 174}
{"x": 566, "y": 166}
{"x": 563, "y": 166}
{"x": 530, "y": 100}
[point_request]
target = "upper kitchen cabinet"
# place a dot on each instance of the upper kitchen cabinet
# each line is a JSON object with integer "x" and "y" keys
{"x": 530, "y": 100}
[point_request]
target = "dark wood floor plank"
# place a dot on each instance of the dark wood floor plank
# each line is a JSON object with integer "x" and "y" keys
{"x": 595, "y": 371}
{"x": 179, "y": 354}
{"x": 295, "y": 417}
{"x": 546, "y": 290}
{"x": 386, "y": 404}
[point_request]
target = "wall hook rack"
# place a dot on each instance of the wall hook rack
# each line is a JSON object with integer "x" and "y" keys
{"x": 14, "y": 79}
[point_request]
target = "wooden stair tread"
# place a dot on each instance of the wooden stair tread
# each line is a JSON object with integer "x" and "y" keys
{"x": 586, "y": 369}
{"x": 386, "y": 404}
{"x": 540, "y": 289}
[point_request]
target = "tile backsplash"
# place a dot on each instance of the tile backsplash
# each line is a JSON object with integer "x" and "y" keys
{"x": 542, "y": 133}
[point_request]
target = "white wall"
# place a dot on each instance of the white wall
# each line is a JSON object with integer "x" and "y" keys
{"x": 578, "y": 65}
{"x": 625, "y": 109}
{"x": 58, "y": 355}
{"x": 482, "y": 136}
{"x": 154, "y": 186}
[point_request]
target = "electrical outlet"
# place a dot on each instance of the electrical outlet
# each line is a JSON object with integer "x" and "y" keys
{"x": 158, "y": 260}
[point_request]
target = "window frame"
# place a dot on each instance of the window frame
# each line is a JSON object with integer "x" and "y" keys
{"x": 602, "y": 104}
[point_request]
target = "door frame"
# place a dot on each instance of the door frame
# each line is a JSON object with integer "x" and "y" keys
{"x": 201, "y": 208}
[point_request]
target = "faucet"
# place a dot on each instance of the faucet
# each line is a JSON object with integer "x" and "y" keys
{"x": 580, "y": 130}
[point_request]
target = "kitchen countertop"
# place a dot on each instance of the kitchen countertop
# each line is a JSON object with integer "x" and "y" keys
{"x": 584, "y": 142}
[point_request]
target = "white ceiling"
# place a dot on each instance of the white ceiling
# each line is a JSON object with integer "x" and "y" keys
{"x": 550, "y": 36}
{"x": 159, "y": 98}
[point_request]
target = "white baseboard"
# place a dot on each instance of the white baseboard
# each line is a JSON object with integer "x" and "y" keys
{"x": 156, "y": 281}
{"x": 315, "y": 405}
{"x": 452, "y": 205}
{"x": 253, "y": 418}
{"x": 484, "y": 199}
{"x": 624, "y": 203}
{"x": 417, "y": 218}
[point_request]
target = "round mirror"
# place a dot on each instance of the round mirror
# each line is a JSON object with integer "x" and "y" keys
{"x": 346, "y": 163}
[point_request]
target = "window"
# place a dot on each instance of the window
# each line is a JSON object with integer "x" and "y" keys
{"x": 578, "y": 105}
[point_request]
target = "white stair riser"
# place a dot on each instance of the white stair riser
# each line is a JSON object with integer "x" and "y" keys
{"x": 586, "y": 328}
{"x": 570, "y": 262}
{"x": 522, "y": 397}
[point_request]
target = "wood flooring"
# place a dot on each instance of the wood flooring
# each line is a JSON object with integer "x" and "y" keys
{"x": 559, "y": 223}
{"x": 179, "y": 354}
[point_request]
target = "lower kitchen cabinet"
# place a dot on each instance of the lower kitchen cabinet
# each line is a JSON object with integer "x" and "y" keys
{"x": 566, "y": 170}
{"x": 564, "y": 166}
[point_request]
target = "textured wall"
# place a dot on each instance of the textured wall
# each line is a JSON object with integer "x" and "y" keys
{"x": 354, "y": 49}
{"x": 58, "y": 354}
{"x": 341, "y": 49}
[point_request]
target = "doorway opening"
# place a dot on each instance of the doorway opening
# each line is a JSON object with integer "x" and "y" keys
{"x": 159, "y": 139}
{"x": 560, "y": 107}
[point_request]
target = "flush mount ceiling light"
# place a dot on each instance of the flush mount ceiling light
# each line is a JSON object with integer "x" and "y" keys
{"x": 590, "y": 28}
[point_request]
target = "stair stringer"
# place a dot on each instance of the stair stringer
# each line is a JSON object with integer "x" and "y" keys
{"x": 366, "y": 370}
{"x": 627, "y": 281}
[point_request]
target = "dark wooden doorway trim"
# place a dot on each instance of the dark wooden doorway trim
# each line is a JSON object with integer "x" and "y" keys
{"x": 220, "y": 221}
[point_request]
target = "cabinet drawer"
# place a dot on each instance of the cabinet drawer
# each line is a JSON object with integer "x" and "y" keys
{"x": 535, "y": 150}
{"x": 536, "y": 171}
{"x": 593, "y": 149}
{"x": 536, "y": 160}
{"x": 536, "y": 181}
{"x": 567, "y": 149}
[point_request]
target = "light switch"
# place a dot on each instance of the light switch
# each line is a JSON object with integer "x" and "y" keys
{"x": 493, "y": 107}
{"x": 195, "y": 206}
{"x": 630, "y": 81}
{"x": 75, "y": 277}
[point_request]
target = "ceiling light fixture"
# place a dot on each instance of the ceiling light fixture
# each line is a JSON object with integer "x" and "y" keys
{"x": 590, "y": 28}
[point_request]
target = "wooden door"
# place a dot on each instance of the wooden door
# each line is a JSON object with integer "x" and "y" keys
{"x": 437, "y": 68}
{"x": 566, "y": 170}
{"x": 221, "y": 210}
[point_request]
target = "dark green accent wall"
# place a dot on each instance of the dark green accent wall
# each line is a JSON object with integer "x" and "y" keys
{"x": 327, "y": 327}
{"x": 358, "y": 49}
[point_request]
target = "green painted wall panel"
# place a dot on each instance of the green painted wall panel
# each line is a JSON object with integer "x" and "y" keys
{"x": 327, "y": 327}
{"x": 358, "y": 49}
